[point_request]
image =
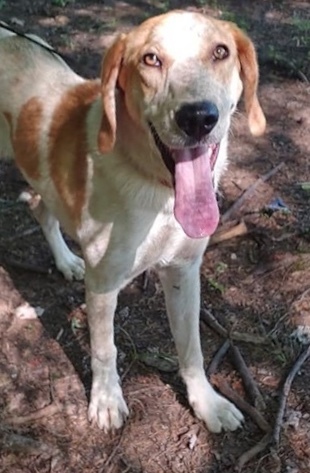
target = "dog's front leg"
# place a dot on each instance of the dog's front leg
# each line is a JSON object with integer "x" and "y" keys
{"x": 182, "y": 291}
{"x": 107, "y": 406}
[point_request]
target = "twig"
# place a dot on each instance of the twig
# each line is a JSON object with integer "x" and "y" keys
{"x": 125, "y": 373}
{"x": 113, "y": 453}
{"x": 25, "y": 266}
{"x": 285, "y": 392}
{"x": 27, "y": 232}
{"x": 47, "y": 411}
{"x": 248, "y": 192}
{"x": 21, "y": 444}
{"x": 248, "y": 381}
{"x": 248, "y": 338}
{"x": 134, "y": 356}
{"x": 249, "y": 454}
{"x": 218, "y": 357}
{"x": 244, "y": 406}
{"x": 273, "y": 438}
{"x": 224, "y": 234}
{"x": 145, "y": 281}
{"x": 209, "y": 319}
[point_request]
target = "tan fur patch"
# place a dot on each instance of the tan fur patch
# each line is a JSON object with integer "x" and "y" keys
{"x": 249, "y": 75}
{"x": 26, "y": 137}
{"x": 8, "y": 117}
{"x": 68, "y": 145}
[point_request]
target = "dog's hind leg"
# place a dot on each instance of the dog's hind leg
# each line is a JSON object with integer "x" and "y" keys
{"x": 70, "y": 265}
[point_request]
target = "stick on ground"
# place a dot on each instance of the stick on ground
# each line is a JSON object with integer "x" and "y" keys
{"x": 285, "y": 392}
{"x": 22, "y": 444}
{"x": 46, "y": 411}
{"x": 210, "y": 320}
{"x": 249, "y": 454}
{"x": 224, "y": 234}
{"x": 249, "y": 384}
{"x": 218, "y": 357}
{"x": 248, "y": 192}
{"x": 34, "y": 268}
{"x": 244, "y": 406}
{"x": 207, "y": 317}
{"x": 273, "y": 438}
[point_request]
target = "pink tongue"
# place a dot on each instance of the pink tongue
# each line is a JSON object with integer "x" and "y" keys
{"x": 195, "y": 206}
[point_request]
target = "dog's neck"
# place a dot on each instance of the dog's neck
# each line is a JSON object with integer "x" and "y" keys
{"x": 134, "y": 141}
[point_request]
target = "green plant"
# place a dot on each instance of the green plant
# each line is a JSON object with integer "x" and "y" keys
{"x": 221, "y": 267}
{"x": 61, "y": 3}
{"x": 163, "y": 5}
{"x": 216, "y": 285}
{"x": 235, "y": 18}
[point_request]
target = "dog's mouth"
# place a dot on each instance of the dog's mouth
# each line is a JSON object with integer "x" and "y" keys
{"x": 195, "y": 205}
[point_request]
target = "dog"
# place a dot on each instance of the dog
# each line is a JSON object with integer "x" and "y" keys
{"x": 129, "y": 165}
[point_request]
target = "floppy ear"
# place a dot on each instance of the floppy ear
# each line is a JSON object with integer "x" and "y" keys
{"x": 249, "y": 77}
{"x": 111, "y": 66}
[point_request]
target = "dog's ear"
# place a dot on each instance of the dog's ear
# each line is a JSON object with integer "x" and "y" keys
{"x": 110, "y": 70}
{"x": 249, "y": 76}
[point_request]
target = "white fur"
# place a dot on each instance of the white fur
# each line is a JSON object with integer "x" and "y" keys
{"x": 127, "y": 224}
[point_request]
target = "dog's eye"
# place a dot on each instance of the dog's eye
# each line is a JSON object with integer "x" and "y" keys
{"x": 220, "y": 52}
{"x": 150, "y": 59}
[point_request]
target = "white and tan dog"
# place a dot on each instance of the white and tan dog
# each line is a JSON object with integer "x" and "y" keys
{"x": 129, "y": 166}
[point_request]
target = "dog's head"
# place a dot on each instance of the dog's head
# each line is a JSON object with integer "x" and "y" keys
{"x": 180, "y": 76}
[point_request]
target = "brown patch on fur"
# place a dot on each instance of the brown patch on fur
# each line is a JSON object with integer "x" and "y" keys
{"x": 8, "y": 117}
{"x": 26, "y": 137}
{"x": 68, "y": 145}
{"x": 249, "y": 76}
{"x": 110, "y": 70}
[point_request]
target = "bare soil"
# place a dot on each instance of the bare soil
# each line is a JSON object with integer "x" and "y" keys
{"x": 256, "y": 284}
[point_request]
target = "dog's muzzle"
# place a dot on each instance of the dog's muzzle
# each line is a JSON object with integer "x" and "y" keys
{"x": 197, "y": 119}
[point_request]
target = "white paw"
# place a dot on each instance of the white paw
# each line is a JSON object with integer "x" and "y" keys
{"x": 221, "y": 415}
{"x": 217, "y": 412}
{"x": 71, "y": 266}
{"x": 107, "y": 408}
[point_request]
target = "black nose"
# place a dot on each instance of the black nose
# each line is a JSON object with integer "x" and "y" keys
{"x": 197, "y": 119}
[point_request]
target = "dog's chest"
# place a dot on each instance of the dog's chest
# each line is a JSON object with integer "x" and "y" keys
{"x": 131, "y": 245}
{"x": 165, "y": 244}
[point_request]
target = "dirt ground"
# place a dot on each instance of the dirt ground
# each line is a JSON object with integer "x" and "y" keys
{"x": 256, "y": 284}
